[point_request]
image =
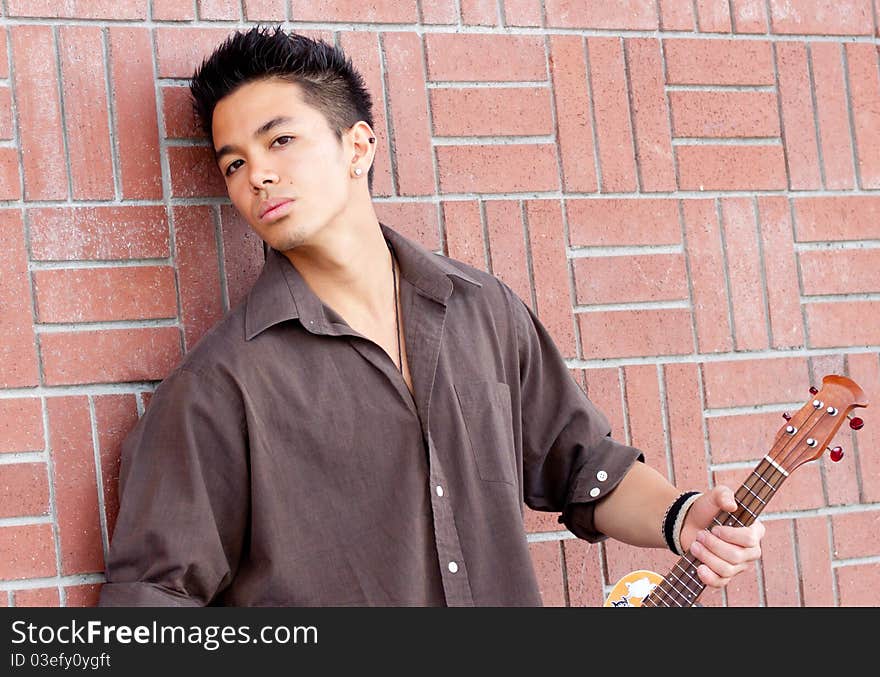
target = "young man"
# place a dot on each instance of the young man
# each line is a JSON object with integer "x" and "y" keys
{"x": 364, "y": 428}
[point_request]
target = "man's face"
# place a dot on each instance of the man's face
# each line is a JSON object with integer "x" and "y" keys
{"x": 299, "y": 159}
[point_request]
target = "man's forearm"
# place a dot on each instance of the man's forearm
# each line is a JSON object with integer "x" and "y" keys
{"x": 634, "y": 511}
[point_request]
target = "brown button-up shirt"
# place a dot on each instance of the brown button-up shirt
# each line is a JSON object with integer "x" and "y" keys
{"x": 285, "y": 462}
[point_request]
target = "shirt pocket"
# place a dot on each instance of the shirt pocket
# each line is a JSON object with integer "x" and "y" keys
{"x": 485, "y": 407}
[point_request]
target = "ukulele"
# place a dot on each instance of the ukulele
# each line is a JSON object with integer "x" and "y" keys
{"x": 803, "y": 439}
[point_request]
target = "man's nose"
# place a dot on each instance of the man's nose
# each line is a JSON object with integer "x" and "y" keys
{"x": 262, "y": 177}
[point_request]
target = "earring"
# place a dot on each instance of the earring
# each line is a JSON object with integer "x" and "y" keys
{"x": 358, "y": 171}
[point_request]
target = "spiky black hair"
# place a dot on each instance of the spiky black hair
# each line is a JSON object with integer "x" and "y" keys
{"x": 328, "y": 80}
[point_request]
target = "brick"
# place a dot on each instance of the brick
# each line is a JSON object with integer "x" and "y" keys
{"x": 115, "y": 416}
{"x": 21, "y": 424}
{"x": 415, "y": 220}
{"x": 265, "y": 10}
{"x": 76, "y": 497}
{"x": 745, "y": 383}
{"x": 723, "y": 114}
{"x": 744, "y": 272}
{"x": 179, "y": 50}
{"x": 802, "y": 490}
{"x": 4, "y": 63}
{"x": 612, "y": 221}
{"x": 86, "y": 112}
{"x": 821, "y": 17}
{"x": 377, "y": 11}
{"x": 621, "y": 559}
{"x": 497, "y": 168}
{"x": 10, "y": 179}
{"x": 98, "y": 233}
{"x": 507, "y": 246}
{"x": 706, "y": 266}
{"x": 37, "y": 597}
{"x": 852, "y": 323}
{"x": 630, "y": 278}
{"x": 856, "y": 534}
{"x": 363, "y": 49}
{"x": 242, "y": 254}
{"x": 219, "y": 10}
{"x": 604, "y": 390}
{"x": 568, "y": 69}
{"x": 718, "y": 62}
{"x": 676, "y": 15}
{"x": 781, "y": 580}
{"x": 742, "y": 437}
{"x": 464, "y": 232}
{"x": 743, "y": 589}
{"x": 521, "y": 12}
{"x": 83, "y": 595}
{"x": 24, "y": 490}
{"x": 7, "y": 124}
{"x": 440, "y": 12}
{"x": 646, "y": 426}
{"x": 547, "y": 561}
{"x": 796, "y": 102}
{"x": 614, "y": 136}
{"x": 105, "y": 294}
{"x": 479, "y": 12}
{"x": 780, "y": 272}
{"x": 408, "y": 108}
{"x": 198, "y": 271}
{"x": 519, "y": 111}
{"x": 172, "y": 10}
{"x": 137, "y": 127}
{"x": 39, "y": 113}
{"x": 550, "y": 269}
{"x": 817, "y": 586}
{"x": 83, "y": 9}
{"x": 864, "y": 369}
{"x": 18, "y": 359}
{"x": 850, "y": 217}
{"x": 29, "y": 552}
{"x": 480, "y": 58}
{"x": 650, "y": 115}
{"x": 731, "y": 167}
{"x": 864, "y": 92}
{"x": 110, "y": 356}
{"x": 625, "y": 14}
{"x": 636, "y": 333}
{"x": 749, "y": 16}
{"x": 583, "y": 569}
{"x": 685, "y": 414}
{"x": 537, "y": 522}
{"x": 177, "y": 112}
{"x": 858, "y": 585}
{"x": 194, "y": 172}
{"x": 713, "y": 16}
{"x": 839, "y": 271}
{"x": 832, "y": 115}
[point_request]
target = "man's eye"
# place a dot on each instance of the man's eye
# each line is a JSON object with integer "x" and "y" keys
{"x": 232, "y": 167}
{"x": 288, "y": 139}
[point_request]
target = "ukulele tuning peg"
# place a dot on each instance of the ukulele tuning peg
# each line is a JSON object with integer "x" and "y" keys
{"x": 855, "y": 422}
{"x": 813, "y": 390}
{"x": 786, "y": 416}
{"x": 836, "y": 453}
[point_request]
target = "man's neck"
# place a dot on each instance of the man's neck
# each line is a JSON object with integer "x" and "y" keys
{"x": 348, "y": 266}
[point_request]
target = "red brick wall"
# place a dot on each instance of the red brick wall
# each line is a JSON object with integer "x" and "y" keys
{"x": 688, "y": 193}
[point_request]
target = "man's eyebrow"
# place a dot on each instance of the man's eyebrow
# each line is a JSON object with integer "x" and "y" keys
{"x": 265, "y": 127}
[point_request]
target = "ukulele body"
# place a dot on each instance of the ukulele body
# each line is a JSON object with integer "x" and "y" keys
{"x": 633, "y": 588}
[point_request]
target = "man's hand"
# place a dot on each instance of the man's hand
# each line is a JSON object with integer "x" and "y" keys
{"x": 724, "y": 551}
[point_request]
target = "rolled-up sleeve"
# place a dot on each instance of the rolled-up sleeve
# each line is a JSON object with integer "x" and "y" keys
{"x": 570, "y": 460}
{"x": 184, "y": 500}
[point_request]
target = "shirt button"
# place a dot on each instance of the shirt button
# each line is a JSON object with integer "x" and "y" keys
{"x": 453, "y": 567}
{"x": 439, "y": 490}
{"x": 601, "y": 475}
{"x": 594, "y": 492}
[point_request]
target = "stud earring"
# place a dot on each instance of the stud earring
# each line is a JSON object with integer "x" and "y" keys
{"x": 358, "y": 171}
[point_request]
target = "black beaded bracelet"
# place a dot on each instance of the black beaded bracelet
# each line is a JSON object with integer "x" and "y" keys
{"x": 670, "y": 518}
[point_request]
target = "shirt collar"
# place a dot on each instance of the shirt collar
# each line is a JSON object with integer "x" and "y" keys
{"x": 280, "y": 292}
